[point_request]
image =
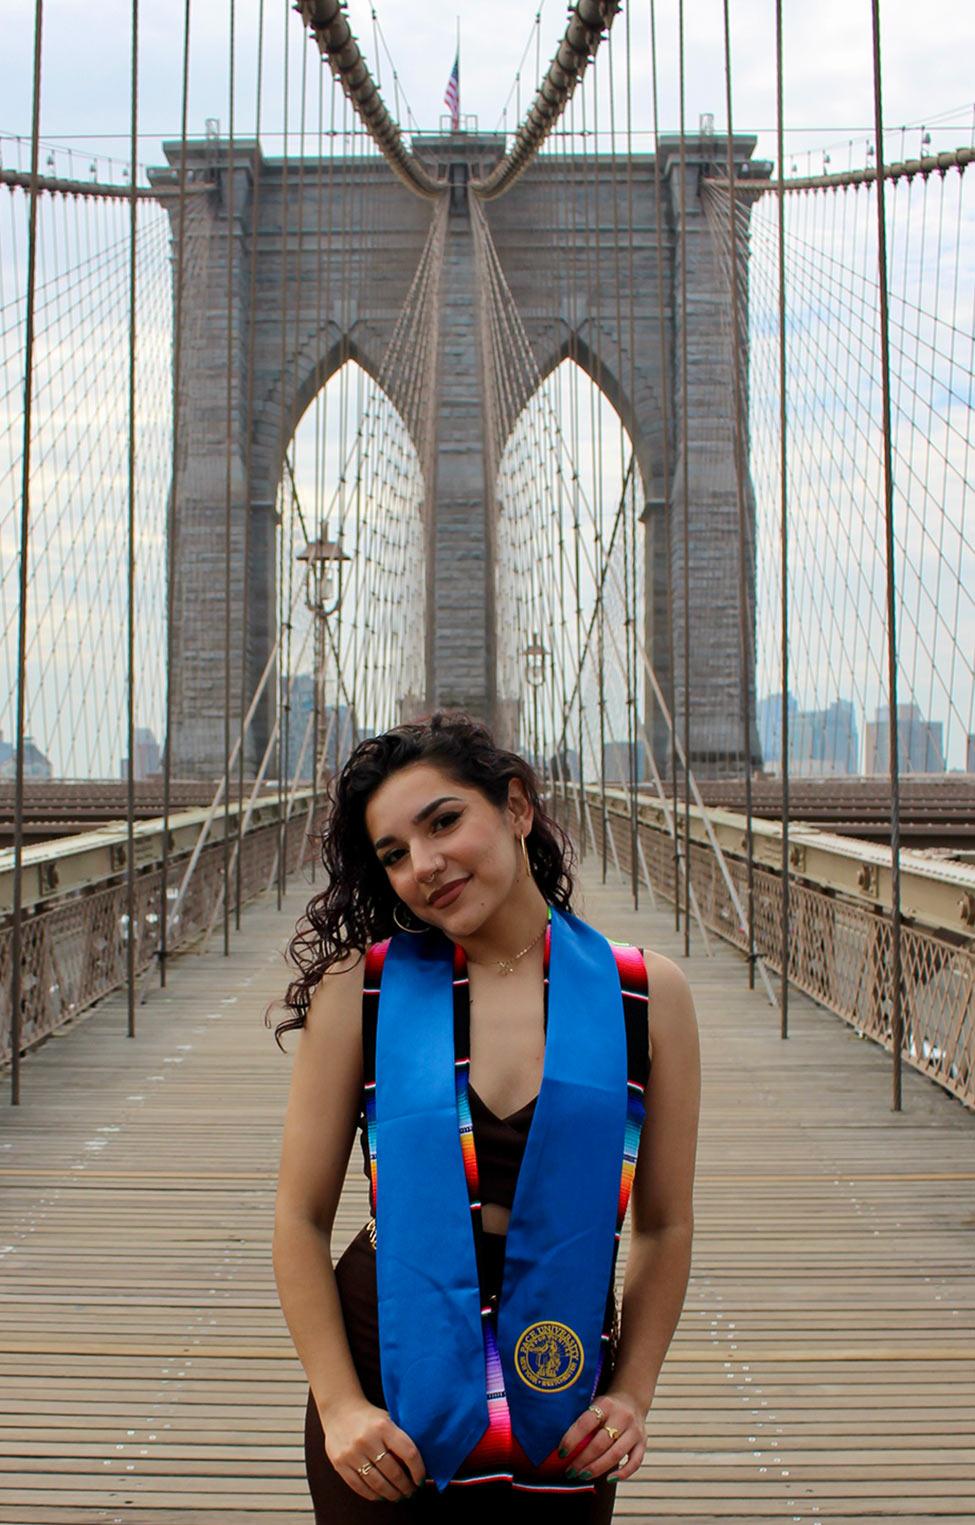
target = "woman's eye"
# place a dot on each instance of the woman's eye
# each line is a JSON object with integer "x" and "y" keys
{"x": 447, "y": 819}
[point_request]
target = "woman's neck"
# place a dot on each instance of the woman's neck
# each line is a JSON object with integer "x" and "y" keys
{"x": 510, "y": 930}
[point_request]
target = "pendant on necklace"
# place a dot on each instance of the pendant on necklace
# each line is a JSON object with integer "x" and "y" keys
{"x": 506, "y": 966}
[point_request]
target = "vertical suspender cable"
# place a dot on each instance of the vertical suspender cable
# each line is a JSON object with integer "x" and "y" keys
{"x": 255, "y": 210}
{"x": 632, "y": 656}
{"x": 665, "y": 464}
{"x": 576, "y": 521}
{"x": 628, "y": 523}
{"x": 685, "y": 480}
{"x": 740, "y": 448}
{"x": 597, "y": 467}
{"x": 576, "y": 180}
{"x": 17, "y": 984}
{"x": 172, "y": 516}
{"x": 896, "y": 1011}
{"x": 283, "y": 443}
{"x": 287, "y": 536}
{"x": 130, "y": 960}
{"x": 318, "y": 652}
{"x": 783, "y": 516}
{"x": 228, "y": 485}
{"x": 299, "y": 293}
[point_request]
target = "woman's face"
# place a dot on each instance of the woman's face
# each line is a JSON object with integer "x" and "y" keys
{"x": 450, "y": 854}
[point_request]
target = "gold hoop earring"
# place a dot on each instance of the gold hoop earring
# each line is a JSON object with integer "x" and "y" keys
{"x": 414, "y": 931}
{"x": 524, "y": 853}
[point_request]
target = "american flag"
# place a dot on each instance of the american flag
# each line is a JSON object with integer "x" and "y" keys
{"x": 452, "y": 94}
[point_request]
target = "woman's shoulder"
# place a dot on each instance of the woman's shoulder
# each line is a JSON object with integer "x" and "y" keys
{"x": 338, "y": 994}
{"x": 671, "y": 1006}
{"x": 672, "y": 1017}
{"x": 664, "y": 976}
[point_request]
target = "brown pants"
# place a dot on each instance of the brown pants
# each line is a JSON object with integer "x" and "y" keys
{"x": 335, "y": 1502}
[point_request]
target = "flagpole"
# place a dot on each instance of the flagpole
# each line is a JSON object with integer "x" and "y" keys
{"x": 458, "y": 70}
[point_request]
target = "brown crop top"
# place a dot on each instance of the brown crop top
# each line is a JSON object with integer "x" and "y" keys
{"x": 499, "y": 1143}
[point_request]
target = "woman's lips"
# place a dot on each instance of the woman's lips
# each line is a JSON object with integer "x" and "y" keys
{"x": 448, "y": 894}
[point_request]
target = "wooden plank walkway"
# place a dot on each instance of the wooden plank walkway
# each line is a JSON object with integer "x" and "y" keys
{"x": 822, "y": 1371}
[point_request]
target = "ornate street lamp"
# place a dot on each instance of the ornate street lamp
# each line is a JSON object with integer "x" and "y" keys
{"x": 324, "y": 587}
{"x": 536, "y": 661}
{"x": 323, "y": 573}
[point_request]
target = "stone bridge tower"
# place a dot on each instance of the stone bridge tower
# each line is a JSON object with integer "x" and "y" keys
{"x": 377, "y": 228}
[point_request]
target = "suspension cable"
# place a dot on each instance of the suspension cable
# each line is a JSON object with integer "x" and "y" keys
{"x": 255, "y": 214}
{"x": 134, "y": 926}
{"x": 785, "y": 761}
{"x": 229, "y": 442}
{"x": 744, "y": 540}
{"x": 896, "y": 1021}
{"x": 172, "y": 517}
{"x": 16, "y": 992}
{"x": 588, "y": 20}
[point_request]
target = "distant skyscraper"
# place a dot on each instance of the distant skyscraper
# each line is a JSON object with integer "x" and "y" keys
{"x": 840, "y": 740}
{"x": 147, "y": 758}
{"x": 920, "y": 747}
{"x": 618, "y": 762}
{"x": 36, "y": 765}
{"x": 565, "y": 765}
{"x": 768, "y": 723}
{"x": 302, "y": 702}
{"x": 336, "y": 734}
{"x": 970, "y": 755}
{"x": 821, "y": 742}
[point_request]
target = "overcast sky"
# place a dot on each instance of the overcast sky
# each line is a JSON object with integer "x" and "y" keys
{"x": 928, "y": 77}
{"x": 927, "y": 65}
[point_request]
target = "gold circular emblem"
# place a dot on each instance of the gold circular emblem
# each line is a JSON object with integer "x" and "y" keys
{"x": 549, "y": 1356}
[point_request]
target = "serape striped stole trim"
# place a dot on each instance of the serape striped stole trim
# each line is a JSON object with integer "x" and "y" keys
{"x": 498, "y": 1455}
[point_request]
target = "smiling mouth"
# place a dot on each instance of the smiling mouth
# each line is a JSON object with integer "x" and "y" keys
{"x": 447, "y": 892}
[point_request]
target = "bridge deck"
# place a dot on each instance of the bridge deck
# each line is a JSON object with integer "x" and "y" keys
{"x": 822, "y": 1369}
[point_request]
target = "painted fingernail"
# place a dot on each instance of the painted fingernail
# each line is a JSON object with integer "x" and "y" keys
{"x": 563, "y": 1450}
{"x": 570, "y": 1471}
{"x": 585, "y": 1476}
{"x": 613, "y": 1477}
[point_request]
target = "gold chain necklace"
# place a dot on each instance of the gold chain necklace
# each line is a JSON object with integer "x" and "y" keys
{"x": 507, "y": 965}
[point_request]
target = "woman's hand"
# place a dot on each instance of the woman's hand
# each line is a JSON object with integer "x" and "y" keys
{"x": 360, "y": 1432}
{"x": 590, "y": 1449}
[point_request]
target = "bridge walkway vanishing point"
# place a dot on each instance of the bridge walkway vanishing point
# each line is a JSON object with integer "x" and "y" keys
{"x": 822, "y": 1369}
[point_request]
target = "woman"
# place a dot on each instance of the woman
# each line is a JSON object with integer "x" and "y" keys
{"x": 494, "y": 1052}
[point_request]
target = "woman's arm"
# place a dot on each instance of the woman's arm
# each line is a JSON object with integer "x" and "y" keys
{"x": 661, "y": 1207}
{"x": 319, "y": 1131}
{"x": 661, "y": 1224}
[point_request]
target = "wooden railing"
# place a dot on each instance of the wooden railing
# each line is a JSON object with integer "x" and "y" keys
{"x": 840, "y": 931}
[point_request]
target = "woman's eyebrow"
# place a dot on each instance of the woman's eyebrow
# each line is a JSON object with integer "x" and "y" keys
{"x": 420, "y": 816}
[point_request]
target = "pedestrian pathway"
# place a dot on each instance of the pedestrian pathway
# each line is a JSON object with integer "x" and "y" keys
{"x": 823, "y": 1368}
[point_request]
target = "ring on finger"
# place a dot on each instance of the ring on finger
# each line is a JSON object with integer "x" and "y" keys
{"x": 380, "y": 1456}
{"x": 366, "y": 1467}
{"x": 612, "y": 1432}
{"x": 595, "y": 1409}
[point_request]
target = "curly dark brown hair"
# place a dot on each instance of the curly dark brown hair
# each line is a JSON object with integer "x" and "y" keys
{"x": 355, "y": 909}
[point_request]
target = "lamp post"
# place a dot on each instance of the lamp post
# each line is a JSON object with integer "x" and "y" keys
{"x": 324, "y": 586}
{"x": 536, "y": 658}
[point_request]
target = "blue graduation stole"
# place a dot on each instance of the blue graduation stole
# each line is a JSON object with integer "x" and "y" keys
{"x": 561, "y": 1234}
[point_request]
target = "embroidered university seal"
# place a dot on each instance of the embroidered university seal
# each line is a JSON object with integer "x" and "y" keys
{"x": 549, "y": 1356}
